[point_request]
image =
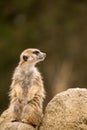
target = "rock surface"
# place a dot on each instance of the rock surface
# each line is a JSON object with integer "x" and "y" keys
{"x": 6, "y": 124}
{"x": 66, "y": 111}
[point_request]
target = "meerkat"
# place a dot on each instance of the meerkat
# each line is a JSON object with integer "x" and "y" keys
{"x": 27, "y": 90}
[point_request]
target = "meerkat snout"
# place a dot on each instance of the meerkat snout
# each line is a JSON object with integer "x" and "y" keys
{"x": 42, "y": 56}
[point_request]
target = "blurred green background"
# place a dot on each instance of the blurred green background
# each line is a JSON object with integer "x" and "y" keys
{"x": 57, "y": 27}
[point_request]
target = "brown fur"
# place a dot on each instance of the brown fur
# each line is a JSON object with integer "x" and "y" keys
{"x": 27, "y": 90}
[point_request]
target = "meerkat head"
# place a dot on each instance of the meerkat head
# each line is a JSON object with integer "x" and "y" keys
{"x": 32, "y": 56}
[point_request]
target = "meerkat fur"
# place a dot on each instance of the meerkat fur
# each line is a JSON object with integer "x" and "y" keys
{"x": 27, "y": 90}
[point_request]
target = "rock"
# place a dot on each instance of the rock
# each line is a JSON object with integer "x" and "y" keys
{"x": 6, "y": 124}
{"x": 16, "y": 126}
{"x": 66, "y": 111}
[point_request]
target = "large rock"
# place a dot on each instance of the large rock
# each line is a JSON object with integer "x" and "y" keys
{"x": 66, "y": 111}
{"x": 6, "y": 124}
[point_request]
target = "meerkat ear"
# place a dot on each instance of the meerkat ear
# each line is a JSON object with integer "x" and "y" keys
{"x": 25, "y": 58}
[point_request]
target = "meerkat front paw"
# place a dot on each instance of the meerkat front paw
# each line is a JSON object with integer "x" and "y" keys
{"x": 29, "y": 100}
{"x": 15, "y": 112}
{"x": 25, "y": 114}
{"x": 24, "y": 121}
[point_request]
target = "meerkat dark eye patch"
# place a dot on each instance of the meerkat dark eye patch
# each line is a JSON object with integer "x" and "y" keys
{"x": 36, "y": 52}
{"x": 25, "y": 58}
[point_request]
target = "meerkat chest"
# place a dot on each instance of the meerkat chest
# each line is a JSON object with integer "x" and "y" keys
{"x": 26, "y": 83}
{"x": 22, "y": 89}
{"x": 25, "y": 80}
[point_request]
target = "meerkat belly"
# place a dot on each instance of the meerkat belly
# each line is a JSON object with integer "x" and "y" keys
{"x": 21, "y": 92}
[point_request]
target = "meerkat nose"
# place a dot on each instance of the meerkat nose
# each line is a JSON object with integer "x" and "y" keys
{"x": 44, "y": 54}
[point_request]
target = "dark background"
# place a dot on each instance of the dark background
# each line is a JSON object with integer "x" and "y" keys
{"x": 57, "y": 27}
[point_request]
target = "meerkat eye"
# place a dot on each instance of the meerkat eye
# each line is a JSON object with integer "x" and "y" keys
{"x": 25, "y": 58}
{"x": 36, "y": 52}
